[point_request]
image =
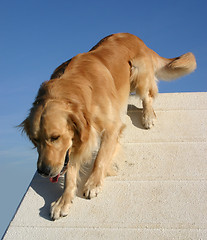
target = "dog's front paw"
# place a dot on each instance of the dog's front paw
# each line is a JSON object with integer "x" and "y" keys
{"x": 60, "y": 208}
{"x": 92, "y": 188}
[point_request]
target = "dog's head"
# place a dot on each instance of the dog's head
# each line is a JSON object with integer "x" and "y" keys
{"x": 54, "y": 127}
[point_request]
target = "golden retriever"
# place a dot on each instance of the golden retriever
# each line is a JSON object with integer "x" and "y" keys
{"x": 82, "y": 102}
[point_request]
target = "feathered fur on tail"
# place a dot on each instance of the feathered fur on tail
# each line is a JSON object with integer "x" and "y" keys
{"x": 169, "y": 69}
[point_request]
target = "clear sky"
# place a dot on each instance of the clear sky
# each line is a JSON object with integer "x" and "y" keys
{"x": 38, "y": 35}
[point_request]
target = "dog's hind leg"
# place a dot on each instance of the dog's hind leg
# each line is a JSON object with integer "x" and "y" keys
{"x": 143, "y": 81}
{"x": 148, "y": 114}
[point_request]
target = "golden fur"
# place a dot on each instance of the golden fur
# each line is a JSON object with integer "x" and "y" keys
{"x": 83, "y": 100}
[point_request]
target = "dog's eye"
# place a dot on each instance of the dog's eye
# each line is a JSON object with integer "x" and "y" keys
{"x": 54, "y": 138}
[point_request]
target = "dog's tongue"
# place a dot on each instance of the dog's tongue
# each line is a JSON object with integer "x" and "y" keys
{"x": 54, "y": 179}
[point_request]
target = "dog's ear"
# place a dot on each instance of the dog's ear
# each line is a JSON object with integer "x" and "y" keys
{"x": 80, "y": 124}
{"x": 25, "y": 127}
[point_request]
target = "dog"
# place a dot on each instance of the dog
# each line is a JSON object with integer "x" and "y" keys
{"x": 82, "y": 102}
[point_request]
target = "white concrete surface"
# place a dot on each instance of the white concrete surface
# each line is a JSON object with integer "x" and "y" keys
{"x": 160, "y": 191}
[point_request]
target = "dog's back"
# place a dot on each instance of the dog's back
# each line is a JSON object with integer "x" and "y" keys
{"x": 133, "y": 65}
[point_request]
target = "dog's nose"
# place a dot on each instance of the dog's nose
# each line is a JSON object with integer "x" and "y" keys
{"x": 44, "y": 170}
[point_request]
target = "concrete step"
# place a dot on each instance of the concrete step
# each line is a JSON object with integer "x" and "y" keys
{"x": 159, "y": 193}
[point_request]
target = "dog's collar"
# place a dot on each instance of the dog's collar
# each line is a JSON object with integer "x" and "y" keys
{"x": 66, "y": 158}
{"x": 55, "y": 179}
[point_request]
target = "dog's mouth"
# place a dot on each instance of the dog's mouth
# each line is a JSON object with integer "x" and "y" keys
{"x": 55, "y": 179}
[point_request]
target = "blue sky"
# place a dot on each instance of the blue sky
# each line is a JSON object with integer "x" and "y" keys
{"x": 37, "y": 36}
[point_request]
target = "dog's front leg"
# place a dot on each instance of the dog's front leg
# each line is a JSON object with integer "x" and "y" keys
{"x": 61, "y": 207}
{"x": 102, "y": 163}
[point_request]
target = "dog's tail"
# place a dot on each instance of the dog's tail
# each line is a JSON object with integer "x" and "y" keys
{"x": 169, "y": 69}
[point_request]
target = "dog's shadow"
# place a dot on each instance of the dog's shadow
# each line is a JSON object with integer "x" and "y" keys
{"x": 50, "y": 192}
{"x": 135, "y": 115}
